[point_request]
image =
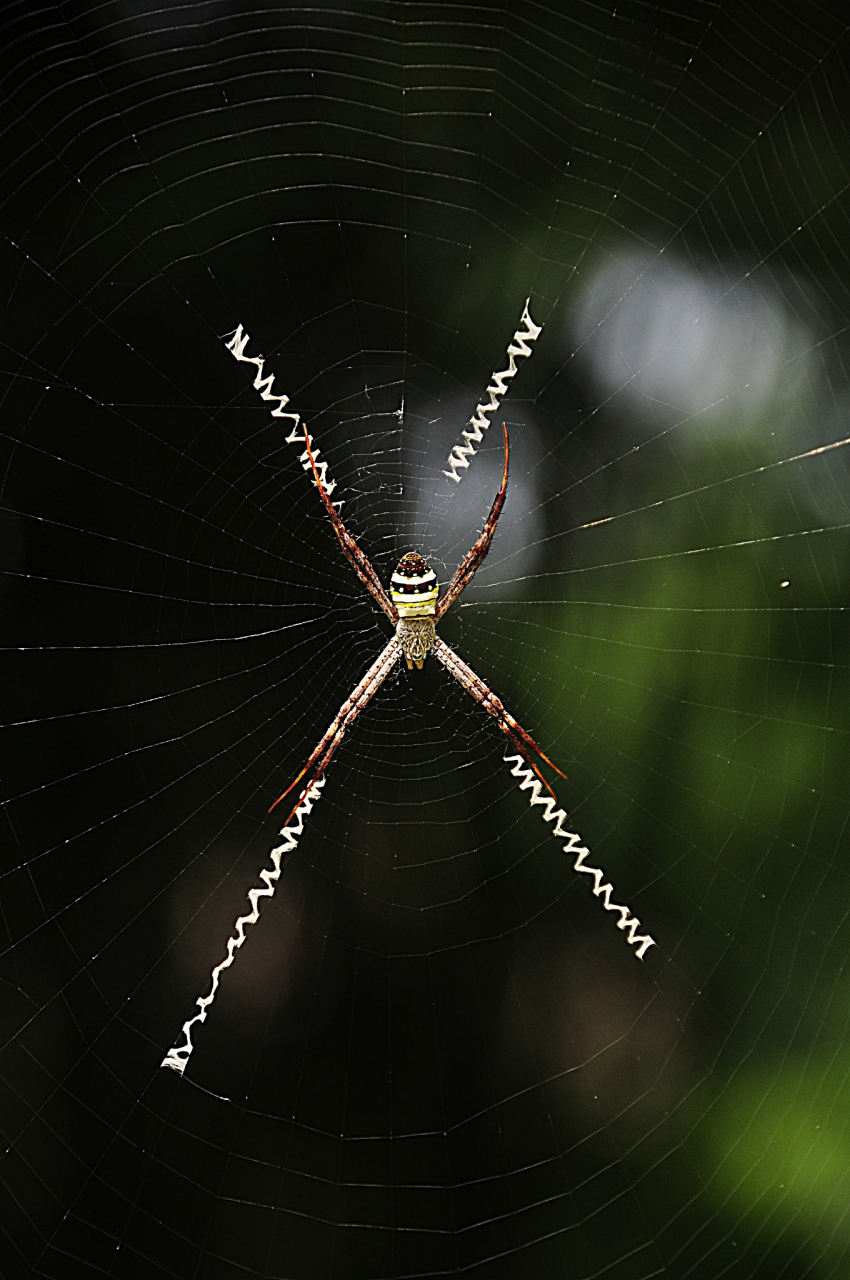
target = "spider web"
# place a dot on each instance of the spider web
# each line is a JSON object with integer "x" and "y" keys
{"x": 435, "y": 1053}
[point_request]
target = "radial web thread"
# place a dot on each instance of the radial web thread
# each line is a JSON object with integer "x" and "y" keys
{"x": 178, "y": 1056}
{"x": 478, "y": 424}
{"x": 265, "y": 385}
{"x": 601, "y": 888}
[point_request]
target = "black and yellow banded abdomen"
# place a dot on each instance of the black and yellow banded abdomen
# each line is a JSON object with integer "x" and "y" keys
{"x": 413, "y": 587}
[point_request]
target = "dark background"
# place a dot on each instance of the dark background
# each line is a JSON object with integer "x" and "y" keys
{"x": 435, "y": 1054}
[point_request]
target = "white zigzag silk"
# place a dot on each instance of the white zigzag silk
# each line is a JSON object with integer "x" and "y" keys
{"x": 627, "y": 922}
{"x": 461, "y": 453}
{"x": 179, "y": 1055}
{"x": 237, "y": 345}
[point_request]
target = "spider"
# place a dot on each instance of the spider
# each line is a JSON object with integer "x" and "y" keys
{"x": 414, "y": 606}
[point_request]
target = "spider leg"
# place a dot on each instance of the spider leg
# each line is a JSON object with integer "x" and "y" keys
{"x": 357, "y": 558}
{"x": 468, "y": 566}
{"x": 360, "y": 696}
{"x": 482, "y": 694}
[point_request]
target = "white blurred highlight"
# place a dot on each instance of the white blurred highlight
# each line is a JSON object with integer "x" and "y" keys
{"x": 674, "y": 340}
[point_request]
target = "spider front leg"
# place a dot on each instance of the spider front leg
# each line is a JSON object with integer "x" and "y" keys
{"x": 484, "y": 695}
{"x": 360, "y": 696}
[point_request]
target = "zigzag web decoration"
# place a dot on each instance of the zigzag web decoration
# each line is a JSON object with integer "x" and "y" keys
{"x": 265, "y": 386}
{"x": 627, "y": 922}
{"x": 178, "y": 1056}
{"x": 461, "y": 453}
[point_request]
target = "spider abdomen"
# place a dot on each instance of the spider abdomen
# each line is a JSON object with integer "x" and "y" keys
{"x": 414, "y": 590}
{"x": 413, "y": 587}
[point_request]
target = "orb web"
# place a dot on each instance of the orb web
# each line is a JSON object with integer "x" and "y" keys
{"x": 433, "y": 1053}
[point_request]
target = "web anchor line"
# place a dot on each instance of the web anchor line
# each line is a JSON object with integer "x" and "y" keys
{"x": 265, "y": 385}
{"x": 178, "y": 1056}
{"x": 461, "y": 453}
{"x": 601, "y": 889}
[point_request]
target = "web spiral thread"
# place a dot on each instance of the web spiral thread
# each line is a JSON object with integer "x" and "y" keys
{"x": 474, "y": 433}
{"x": 265, "y": 385}
{"x": 601, "y": 888}
{"x": 178, "y": 1056}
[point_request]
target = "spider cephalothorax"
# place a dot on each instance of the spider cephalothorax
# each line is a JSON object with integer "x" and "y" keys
{"x": 414, "y": 591}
